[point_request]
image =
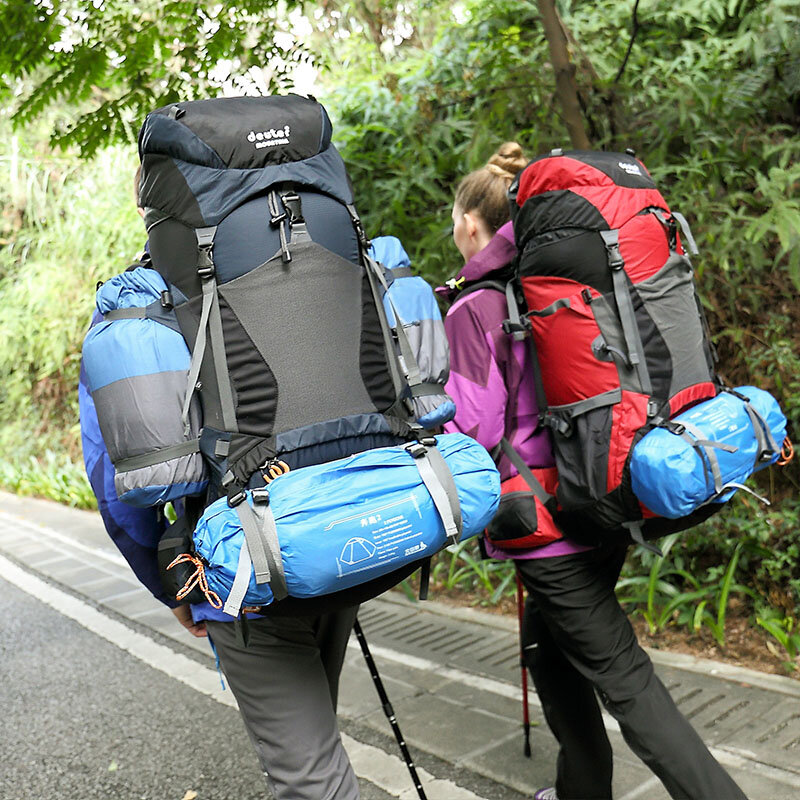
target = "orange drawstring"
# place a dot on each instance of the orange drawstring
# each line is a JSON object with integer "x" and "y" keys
{"x": 787, "y": 453}
{"x": 274, "y": 469}
{"x": 197, "y": 578}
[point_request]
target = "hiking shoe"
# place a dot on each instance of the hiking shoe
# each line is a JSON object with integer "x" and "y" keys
{"x": 546, "y": 794}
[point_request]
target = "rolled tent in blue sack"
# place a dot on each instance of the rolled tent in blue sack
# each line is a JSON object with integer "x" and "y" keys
{"x": 332, "y": 526}
{"x": 410, "y": 298}
{"x": 137, "y": 364}
{"x": 706, "y": 453}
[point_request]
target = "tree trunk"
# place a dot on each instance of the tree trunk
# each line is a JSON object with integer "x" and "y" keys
{"x": 566, "y": 88}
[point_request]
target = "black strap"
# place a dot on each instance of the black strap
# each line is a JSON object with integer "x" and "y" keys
{"x": 155, "y": 311}
{"x": 158, "y": 456}
{"x": 424, "y": 579}
{"x": 547, "y": 500}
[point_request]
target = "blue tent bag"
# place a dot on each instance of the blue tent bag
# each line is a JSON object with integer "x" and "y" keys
{"x": 673, "y": 469}
{"x": 137, "y": 365}
{"x": 411, "y": 299}
{"x": 340, "y": 524}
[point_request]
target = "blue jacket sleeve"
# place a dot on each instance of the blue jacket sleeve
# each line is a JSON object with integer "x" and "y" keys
{"x": 135, "y": 531}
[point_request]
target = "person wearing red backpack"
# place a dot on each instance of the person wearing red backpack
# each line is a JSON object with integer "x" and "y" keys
{"x": 577, "y": 641}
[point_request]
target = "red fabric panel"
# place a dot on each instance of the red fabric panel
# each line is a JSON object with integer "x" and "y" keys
{"x": 540, "y": 291}
{"x": 547, "y": 531}
{"x": 644, "y": 246}
{"x": 618, "y": 204}
{"x": 570, "y": 370}
{"x": 557, "y": 173}
{"x": 627, "y": 417}
{"x": 690, "y": 396}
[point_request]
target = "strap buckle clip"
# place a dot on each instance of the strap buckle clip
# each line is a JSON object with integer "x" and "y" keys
{"x": 522, "y": 327}
{"x": 417, "y": 449}
{"x": 237, "y": 498}
{"x": 260, "y": 495}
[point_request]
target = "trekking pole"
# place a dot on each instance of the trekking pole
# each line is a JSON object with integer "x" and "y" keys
{"x": 526, "y": 719}
{"x": 387, "y": 708}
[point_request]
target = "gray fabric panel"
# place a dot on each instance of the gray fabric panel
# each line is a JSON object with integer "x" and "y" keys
{"x": 324, "y": 292}
{"x": 141, "y": 414}
{"x": 429, "y": 342}
{"x": 669, "y": 299}
{"x": 424, "y": 405}
{"x": 610, "y": 327}
{"x": 186, "y": 469}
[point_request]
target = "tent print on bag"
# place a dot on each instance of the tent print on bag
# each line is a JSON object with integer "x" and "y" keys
{"x": 357, "y": 550}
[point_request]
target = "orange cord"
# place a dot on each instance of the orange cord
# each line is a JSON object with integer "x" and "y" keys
{"x": 274, "y": 469}
{"x": 197, "y": 578}
{"x": 787, "y": 453}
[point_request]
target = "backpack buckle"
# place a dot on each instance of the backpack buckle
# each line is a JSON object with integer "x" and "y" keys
{"x": 518, "y": 329}
{"x": 237, "y": 498}
{"x": 416, "y": 449}
{"x": 260, "y": 495}
{"x": 205, "y": 263}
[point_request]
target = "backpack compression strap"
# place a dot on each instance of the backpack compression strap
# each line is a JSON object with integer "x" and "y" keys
{"x": 547, "y": 500}
{"x": 211, "y": 321}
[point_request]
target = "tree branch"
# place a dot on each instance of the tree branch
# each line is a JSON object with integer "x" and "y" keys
{"x": 566, "y": 87}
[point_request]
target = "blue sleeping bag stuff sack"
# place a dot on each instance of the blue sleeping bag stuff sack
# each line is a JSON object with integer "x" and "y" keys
{"x": 137, "y": 366}
{"x": 706, "y": 453}
{"x": 331, "y": 526}
{"x": 422, "y": 342}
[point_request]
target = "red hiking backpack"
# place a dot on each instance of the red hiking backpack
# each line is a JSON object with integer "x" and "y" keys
{"x": 619, "y": 337}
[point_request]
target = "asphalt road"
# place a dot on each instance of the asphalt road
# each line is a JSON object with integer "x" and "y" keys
{"x": 85, "y": 720}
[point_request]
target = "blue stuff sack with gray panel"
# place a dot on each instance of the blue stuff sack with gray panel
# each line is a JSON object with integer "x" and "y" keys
{"x": 413, "y": 313}
{"x": 137, "y": 364}
{"x": 325, "y": 528}
{"x": 705, "y": 454}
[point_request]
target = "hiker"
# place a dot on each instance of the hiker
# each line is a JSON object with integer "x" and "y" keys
{"x": 285, "y": 680}
{"x": 576, "y": 639}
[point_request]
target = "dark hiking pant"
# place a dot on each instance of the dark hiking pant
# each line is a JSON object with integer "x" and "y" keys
{"x": 286, "y": 684}
{"x": 576, "y": 641}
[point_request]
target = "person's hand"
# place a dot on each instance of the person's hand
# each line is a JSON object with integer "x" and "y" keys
{"x": 184, "y": 615}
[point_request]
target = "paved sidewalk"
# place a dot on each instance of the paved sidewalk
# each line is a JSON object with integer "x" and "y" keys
{"x": 453, "y": 678}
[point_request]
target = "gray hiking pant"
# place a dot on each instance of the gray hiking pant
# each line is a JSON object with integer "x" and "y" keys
{"x": 286, "y": 683}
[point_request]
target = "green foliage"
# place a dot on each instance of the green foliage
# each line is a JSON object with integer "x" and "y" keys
{"x": 66, "y": 225}
{"x": 462, "y": 567}
{"x": 783, "y": 629}
{"x": 54, "y": 477}
{"x": 128, "y": 58}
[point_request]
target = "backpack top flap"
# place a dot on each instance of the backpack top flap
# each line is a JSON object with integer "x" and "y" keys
{"x": 579, "y": 189}
{"x": 201, "y": 159}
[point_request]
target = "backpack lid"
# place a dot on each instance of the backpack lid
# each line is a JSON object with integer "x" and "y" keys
{"x": 203, "y": 158}
{"x": 238, "y": 132}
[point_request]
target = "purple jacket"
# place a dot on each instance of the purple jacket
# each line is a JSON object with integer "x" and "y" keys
{"x": 491, "y": 377}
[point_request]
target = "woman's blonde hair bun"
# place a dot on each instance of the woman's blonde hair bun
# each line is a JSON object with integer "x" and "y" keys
{"x": 486, "y": 189}
{"x": 507, "y": 161}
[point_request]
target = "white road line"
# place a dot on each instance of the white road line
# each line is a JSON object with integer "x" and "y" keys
{"x": 386, "y": 771}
